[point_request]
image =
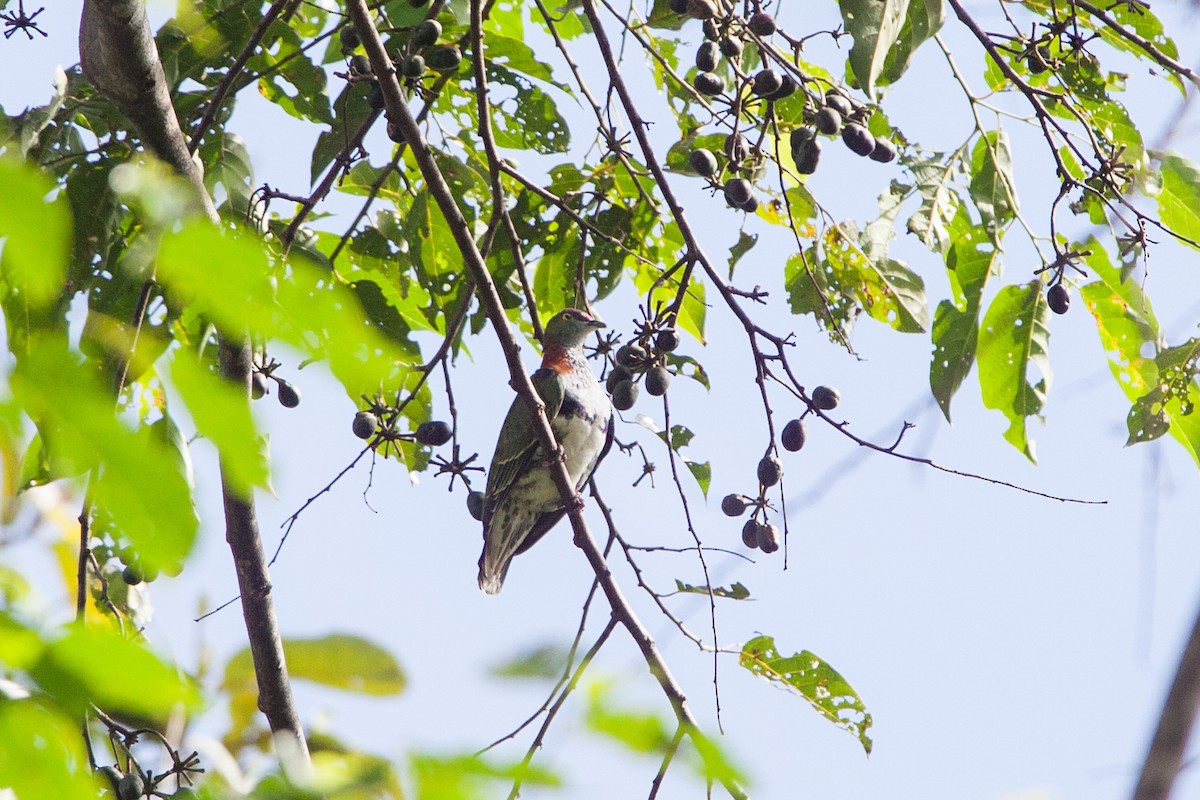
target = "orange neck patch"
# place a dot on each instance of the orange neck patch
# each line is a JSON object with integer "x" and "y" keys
{"x": 555, "y": 357}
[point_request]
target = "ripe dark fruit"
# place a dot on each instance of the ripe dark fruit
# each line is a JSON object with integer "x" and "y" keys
{"x": 707, "y": 57}
{"x": 375, "y": 97}
{"x": 762, "y": 24}
{"x": 360, "y": 65}
{"x": 475, "y": 505}
{"x": 1059, "y": 298}
{"x": 787, "y": 88}
{"x": 413, "y": 66}
{"x": 738, "y": 192}
{"x": 884, "y": 151}
{"x": 703, "y": 162}
{"x": 667, "y": 341}
{"x": 657, "y": 381}
{"x": 736, "y": 147}
{"x": 258, "y": 385}
{"x": 434, "y": 433}
{"x": 132, "y": 575}
{"x": 751, "y": 205}
{"x": 839, "y": 102}
{"x": 733, "y": 505}
{"x": 349, "y": 39}
{"x": 766, "y": 82}
{"x": 625, "y": 395}
{"x": 393, "y": 132}
{"x": 770, "y": 470}
{"x": 730, "y": 47}
{"x": 427, "y": 33}
{"x": 799, "y": 136}
{"x": 768, "y": 538}
{"x": 630, "y": 355}
{"x": 807, "y": 155}
{"x": 288, "y": 396}
{"x": 444, "y": 59}
{"x": 1038, "y": 61}
{"x": 364, "y": 424}
{"x": 750, "y": 533}
{"x": 615, "y": 376}
{"x": 710, "y": 29}
{"x": 702, "y": 9}
{"x": 679, "y": 6}
{"x": 131, "y": 787}
{"x": 858, "y": 139}
{"x": 826, "y": 398}
{"x": 707, "y": 83}
{"x": 828, "y": 121}
{"x": 794, "y": 435}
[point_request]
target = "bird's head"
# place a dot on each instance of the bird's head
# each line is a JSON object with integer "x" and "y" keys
{"x": 570, "y": 328}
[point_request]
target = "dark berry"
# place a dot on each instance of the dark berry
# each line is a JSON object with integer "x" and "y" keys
{"x": 349, "y": 39}
{"x": 289, "y": 396}
{"x": 787, "y": 88}
{"x": 738, "y": 192}
{"x": 657, "y": 381}
{"x": 615, "y": 376}
{"x": 364, "y": 424}
{"x": 884, "y": 151}
{"x": 730, "y": 47}
{"x": 131, "y": 786}
{"x": 707, "y": 57}
{"x": 828, "y": 121}
{"x": 703, "y": 162}
{"x": 733, "y": 505}
{"x": 413, "y": 66}
{"x": 433, "y": 433}
{"x": 710, "y": 29}
{"x": 375, "y": 97}
{"x": 839, "y": 102}
{"x": 736, "y": 147}
{"x": 708, "y": 83}
{"x": 394, "y": 133}
{"x": 750, "y": 533}
{"x": 794, "y": 435}
{"x": 807, "y": 155}
{"x": 132, "y": 575}
{"x": 858, "y": 139}
{"x": 1038, "y": 60}
{"x": 768, "y": 538}
{"x": 360, "y": 65}
{"x": 770, "y": 470}
{"x": 667, "y": 341}
{"x": 680, "y": 7}
{"x": 444, "y": 59}
{"x": 631, "y": 355}
{"x": 475, "y": 505}
{"x": 427, "y": 33}
{"x": 625, "y": 395}
{"x": 258, "y": 385}
{"x": 826, "y": 398}
{"x": 766, "y": 82}
{"x": 762, "y": 24}
{"x": 1059, "y": 298}
{"x": 702, "y": 9}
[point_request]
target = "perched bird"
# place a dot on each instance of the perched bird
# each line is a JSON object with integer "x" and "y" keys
{"x": 521, "y": 502}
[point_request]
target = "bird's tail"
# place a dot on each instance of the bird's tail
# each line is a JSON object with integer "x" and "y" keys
{"x": 501, "y": 539}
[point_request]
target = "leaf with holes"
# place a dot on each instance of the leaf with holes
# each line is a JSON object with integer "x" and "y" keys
{"x": 1013, "y": 341}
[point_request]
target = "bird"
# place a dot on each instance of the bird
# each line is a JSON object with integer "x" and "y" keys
{"x": 521, "y": 502}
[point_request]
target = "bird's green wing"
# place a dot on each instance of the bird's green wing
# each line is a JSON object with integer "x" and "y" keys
{"x": 517, "y": 444}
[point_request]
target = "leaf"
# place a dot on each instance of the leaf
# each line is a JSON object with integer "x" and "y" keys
{"x": 546, "y": 662}
{"x": 970, "y": 261}
{"x": 1179, "y": 195}
{"x": 737, "y": 591}
{"x": 814, "y": 680}
{"x": 875, "y": 26}
{"x": 341, "y": 661}
{"x": 41, "y": 753}
{"x": 743, "y": 245}
{"x": 37, "y": 238}
{"x": 680, "y": 438}
{"x": 886, "y": 289}
{"x": 992, "y": 187}
{"x": 940, "y": 203}
{"x": 1013, "y": 340}
{"x": 531, "y": 120}
{"x": 923, "y": 20}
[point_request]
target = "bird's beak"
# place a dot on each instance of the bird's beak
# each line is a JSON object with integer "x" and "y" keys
{"x": 597, "y": 324}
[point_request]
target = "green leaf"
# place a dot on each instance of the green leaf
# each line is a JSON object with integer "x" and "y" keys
{"x": 886, "y": 289}
{"x": 97, "y": 665}
{"x": 940, "y": 203}
{"x": 679, "y": 438}
{"x": 546, "y": 662}
{"x": 36, "y": 234}
{"x": 1013, "y": 340}
{"x": 992, "y": 187}
{"x": 923, "y": 20}
{"x": 1179, "y": 195}
{"x": 743, "y": 245}
{"x": 338, "y": 660}
{"x": 814, "y": 680}
{"x": 41, "y": 753}
{"x": 737, "y": 591}
{"x": 970, "y": 261}
{"x": 875, "y": 26}
{"x": 531, "y": 121}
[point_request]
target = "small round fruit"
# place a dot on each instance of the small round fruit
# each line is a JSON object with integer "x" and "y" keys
{"x": 349, "y": 39}
{"x": 667, "y": 341}
{"x": 707, "y": 57}
{"x": 762, "y": 24}
{"x": 787, "y": 88}
{"x": 258, "y": 385}
{"x": 375, "y": 97}
{"x": 630, "y": 355}
{"x": 615, "y": 376}
{"x": 288, "y": 395}
{"x": 750, "y": 533}
{"x": 433, "y": 433}
{"x": 413, "y": 66}
{"x": 828, "y": 121}
{"x": 733, "y": 505}
{"x": 702, "y": 9}
{"x": 807, "y": 155}
{"x": 858, "y": 139}
{"x": 768, "y": 538}
{"x": 475, "y": 505}
{"x": 394, "y": 133}
{"x": 703, "y": 162}
{"x": 839, "y": 102}
{"x": 751, "y": 205}
{"x": 710, "y": 30}
{"x": 128, "y": 555}
{"x": 364, "y": 424}
{"x": 445, "y": 58}
{"x": 131, "y": 786}
{"x": 770, "y": 470}
{"x": 657, "y": 381}
{"x": 1038, "y": 61}
{"x": 800, "y": 136}
{"x": 794, "y": 435}
{"x": 731, "y": 47}
{"x": 1059, "y": 298}
{"x": 738, "y": 192}
{"x": 132, "y": 575}
{"x": 736, "y": 147}
{"x": 766, "y": 82}
{"x": 680, "y": 7}
{"x": 427, "y": 33}
{"x": 826, "y": 398}
{"x": 360, "y": 65}
{"x": 884, "y": 151}
{"x": 708, "y": 83}
{"x": 625, "y": 395}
